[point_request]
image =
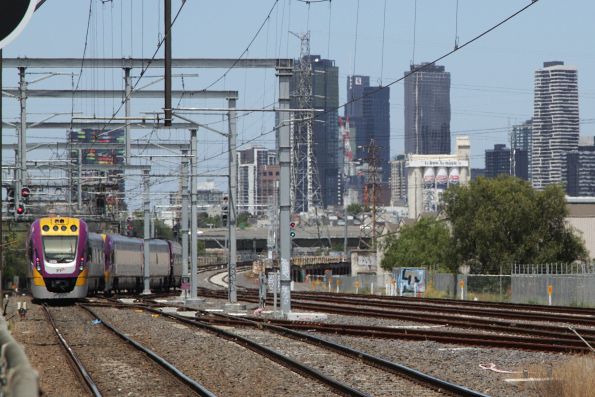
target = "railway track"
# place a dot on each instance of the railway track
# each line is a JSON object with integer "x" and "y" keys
{"x": 504, "y": 334}
{"x": 504, "y": 311}
{"x": 404, "y": 378}
{"x": 110, "y": 362}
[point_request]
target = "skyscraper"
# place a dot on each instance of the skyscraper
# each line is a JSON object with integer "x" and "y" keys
{"x": 369, "y": 114}
{"x": 520, "y": 145}
{"x": 325, "y": 96}
{"x": 253, "y": 167}
{"x": 398, "y": 181}
{"x": 580, "y": 171}
{"x": 427, "y": 111}
{"x": 497, "y": 161}
{"x": 555, "y": 122}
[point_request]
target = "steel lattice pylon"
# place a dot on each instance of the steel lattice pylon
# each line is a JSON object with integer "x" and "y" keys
{"x": 305, "y": 181}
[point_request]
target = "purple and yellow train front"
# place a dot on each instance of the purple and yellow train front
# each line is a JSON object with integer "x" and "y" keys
{"x": 56, "y": 252}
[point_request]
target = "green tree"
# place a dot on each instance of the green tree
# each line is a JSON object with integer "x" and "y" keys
{"x": 15, "y": 262}
{"x": 425, "y": 243}
{"x": 498, "y": 222}
{"x": 243, "y": 218}
{"x": 355, "y": 209}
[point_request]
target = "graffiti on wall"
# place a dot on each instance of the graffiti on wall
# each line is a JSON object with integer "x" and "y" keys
{"x": 411, "y": 279}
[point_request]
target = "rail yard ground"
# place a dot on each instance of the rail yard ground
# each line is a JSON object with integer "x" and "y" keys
{"x": 462, "y": 350}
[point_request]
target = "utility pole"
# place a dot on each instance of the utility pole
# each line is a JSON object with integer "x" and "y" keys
{"x": 193, "y": 220}
{"x": 147, "y": 231}
{"x": 167, "y": 63}
{"x": 127, "y": 99}
{"x": 21, "y": 168}
{"x": 284, "y": 74}
{"x": 233, "y": 192}
{"x": 1, "y": 187}
{"x": 184, "y": 211}
{"x": 373, "y": 183}
{"x": 79, "y": 189}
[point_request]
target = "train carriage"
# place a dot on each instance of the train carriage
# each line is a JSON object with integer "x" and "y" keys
{"x": 56, "y": 253}
{"x": 67, "y": 262}
{"x": 96, "y": 262}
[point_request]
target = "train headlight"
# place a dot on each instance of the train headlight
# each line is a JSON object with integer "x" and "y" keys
{"x": 81, "y": 267}
{"x": 37, "y": 264}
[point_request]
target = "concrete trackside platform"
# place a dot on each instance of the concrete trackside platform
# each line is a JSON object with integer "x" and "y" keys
{"x": 298, "y": 316}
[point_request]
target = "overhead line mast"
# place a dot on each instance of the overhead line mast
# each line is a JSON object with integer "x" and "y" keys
{"x": 305, "y": 181}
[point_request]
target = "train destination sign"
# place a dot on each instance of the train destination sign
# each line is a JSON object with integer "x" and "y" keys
{"x": 14, "y": 16}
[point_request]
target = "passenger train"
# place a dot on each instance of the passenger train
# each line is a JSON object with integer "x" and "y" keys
{"x": 68, "y": 262}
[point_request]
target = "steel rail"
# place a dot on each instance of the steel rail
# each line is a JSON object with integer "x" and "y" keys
{"x": 194, "y": 385}
{"x": 412, "y": 374}
{"x": 422, "y": 306}
{"x": 279, "y": 358}
{"x": 474, "y": 323}
{"x": 398, "y": 369}
{"x": 73, "y": 359}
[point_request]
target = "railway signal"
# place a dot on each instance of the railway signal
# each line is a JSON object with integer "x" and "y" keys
{"x": 25, "y": 193}
{"x": 292, "y": 229}
{"x": 21, "y": 210}
{"x": 10, "y": 198}
{"x": 224, "y": 211}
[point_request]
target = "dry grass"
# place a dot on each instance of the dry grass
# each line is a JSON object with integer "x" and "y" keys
{"x": 571, "y": 378}
{"x": 433, "y": 293}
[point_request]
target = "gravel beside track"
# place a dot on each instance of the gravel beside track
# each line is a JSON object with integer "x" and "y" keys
{"x": 56, "y": 377}
{"x": 363, "y": 377}
{"x": 117, "y": 368}
{"x": 456, "y": 364}
{"x": 225, "y": 368}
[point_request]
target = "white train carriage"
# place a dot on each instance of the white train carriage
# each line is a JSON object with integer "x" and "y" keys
{"x": 176, "y": 263}
{"x": 124, "y": 258}
{"x": 125, "y": 263}
{"x": 96, "y": 262}
{"x": 160, "y": 266}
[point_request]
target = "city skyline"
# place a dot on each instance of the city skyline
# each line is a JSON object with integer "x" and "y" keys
{"x": 492, "y": 79}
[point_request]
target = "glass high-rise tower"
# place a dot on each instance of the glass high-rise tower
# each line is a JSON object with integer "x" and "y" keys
{"x": 369, "y": 115}
{"x": 555, "y": 122}
{"x": 427, "y": 111}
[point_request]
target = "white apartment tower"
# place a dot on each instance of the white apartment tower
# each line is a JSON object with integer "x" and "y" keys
{"x": 555, "y": 122}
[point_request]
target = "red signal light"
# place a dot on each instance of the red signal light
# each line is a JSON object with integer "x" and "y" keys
{"x": 25, "y": 192}
{"x": 292, "y": 225}
{"x": 20, "y": 210}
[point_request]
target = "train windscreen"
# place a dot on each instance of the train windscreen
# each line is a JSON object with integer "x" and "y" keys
{"x": 59, "y": 249}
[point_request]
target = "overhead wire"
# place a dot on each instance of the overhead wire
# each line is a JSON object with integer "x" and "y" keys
{"x": 428, "y": 64}
{"x": 355, "y": 40}
{"x": 237, "y": 60}
{"x": 146, "y": 67}
{"x": 382, "y": 49}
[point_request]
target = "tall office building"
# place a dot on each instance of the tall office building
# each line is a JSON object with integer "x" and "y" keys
{"x": 369, "y": 115}
{"x": 580, "y": 171}
{"x": 253, "y": 167}
{"x": 497, "y": 161}
{"x": 427, "y": 111}
{"x": 555, "y": 122}
{"x": 326, "y": 147}
{"x": 520, "y": 145}
{"x": 398, "y": 181}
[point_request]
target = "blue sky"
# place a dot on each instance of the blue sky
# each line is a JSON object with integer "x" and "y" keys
{"x": 492, "y": 79}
